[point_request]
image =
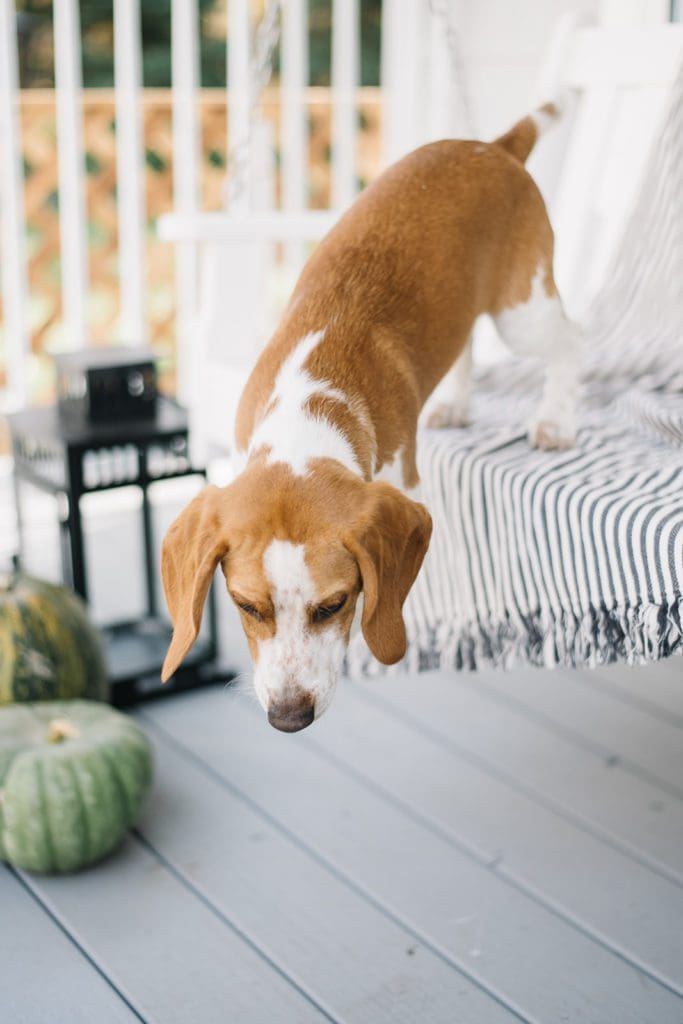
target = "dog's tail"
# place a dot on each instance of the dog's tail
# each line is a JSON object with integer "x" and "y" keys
{"x": 523, "y": 136}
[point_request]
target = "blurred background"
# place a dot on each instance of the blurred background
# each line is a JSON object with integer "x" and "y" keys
{"x": 167, "y": 165}
{"x": 501, "y": 46}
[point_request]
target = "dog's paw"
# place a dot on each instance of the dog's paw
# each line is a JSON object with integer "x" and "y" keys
{"x": 443, "y": 415}
{"x": 551, "y": 436}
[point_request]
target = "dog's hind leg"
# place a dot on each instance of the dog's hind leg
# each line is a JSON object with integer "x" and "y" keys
{"x": 449, "y": 404}
{"x": 539, "y": 327}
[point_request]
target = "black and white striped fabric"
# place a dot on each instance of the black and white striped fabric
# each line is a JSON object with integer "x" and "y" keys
{"x": 572, "y": 558}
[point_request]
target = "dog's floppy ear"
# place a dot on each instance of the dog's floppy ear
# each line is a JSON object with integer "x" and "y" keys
{"x": 192, "y": 548}
{"x": 389, "y": 541}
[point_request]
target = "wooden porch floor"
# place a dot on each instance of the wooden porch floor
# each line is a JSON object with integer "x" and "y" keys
{"x": 448, "y": 848}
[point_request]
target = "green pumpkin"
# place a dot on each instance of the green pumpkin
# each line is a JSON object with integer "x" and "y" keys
{"x": 48, "y": 648}
{"x": 72, "y": 777}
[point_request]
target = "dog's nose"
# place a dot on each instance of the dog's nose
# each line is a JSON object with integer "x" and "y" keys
{"x": 291, "y": 716}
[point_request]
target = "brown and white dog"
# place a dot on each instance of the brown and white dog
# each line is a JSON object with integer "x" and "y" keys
{"x": 324, "y": 507}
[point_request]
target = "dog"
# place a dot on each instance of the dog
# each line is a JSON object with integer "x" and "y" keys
{"x": 326, "y": 506}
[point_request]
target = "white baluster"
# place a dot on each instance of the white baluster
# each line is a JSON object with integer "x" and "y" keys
{"x": 130, "y": 169}
{"x": 293, "y": 136}
{"x": 239, "y": 99}
{"x": 72, "y": 212}
{"x": 12, "y": 248}
{"x": 345, "y": 80}
{"x": 402, "y": 23}
{"x": 185, "y": 79}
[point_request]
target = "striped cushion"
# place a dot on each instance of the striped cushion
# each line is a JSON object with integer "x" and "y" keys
{"x": 571, "y": 558}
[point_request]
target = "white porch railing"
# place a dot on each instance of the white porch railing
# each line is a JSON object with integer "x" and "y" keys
{"x": 12, "y": 253}
{"x": 73, "y": 262}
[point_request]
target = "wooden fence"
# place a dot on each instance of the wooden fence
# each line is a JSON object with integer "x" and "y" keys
{"x": 41, "y": 196}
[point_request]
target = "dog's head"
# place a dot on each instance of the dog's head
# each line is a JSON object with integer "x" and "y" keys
{"x": 296, "y": 552}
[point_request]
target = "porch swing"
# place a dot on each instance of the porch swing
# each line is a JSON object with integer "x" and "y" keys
{"x": 572, "y": 558}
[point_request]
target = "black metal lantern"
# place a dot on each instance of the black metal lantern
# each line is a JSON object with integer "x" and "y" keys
{"x": 72, "y": 460}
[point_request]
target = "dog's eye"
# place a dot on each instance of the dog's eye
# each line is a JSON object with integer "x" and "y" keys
{"x": 249, "y": 609}
{"x": 326, "y": 611}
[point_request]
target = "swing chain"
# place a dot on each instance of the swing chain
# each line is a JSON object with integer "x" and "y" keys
{"x": 442, "y": 10}
{"x": 266, "y": 39}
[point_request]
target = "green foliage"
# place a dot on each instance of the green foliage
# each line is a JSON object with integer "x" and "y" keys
{"x": 154, "y": 161}
{"x": 92, "y": 164}
{"x": 320, "y": 35}
{"x": 36, "y": 58}
{"x": 216, "y": 159}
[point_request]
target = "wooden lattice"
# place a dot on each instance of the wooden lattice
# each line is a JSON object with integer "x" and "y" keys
{"x": 42, "y": 198}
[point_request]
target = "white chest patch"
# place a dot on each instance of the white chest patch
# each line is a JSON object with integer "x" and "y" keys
{"x": 299, "y": 657}
{"x": 292, "y": 434}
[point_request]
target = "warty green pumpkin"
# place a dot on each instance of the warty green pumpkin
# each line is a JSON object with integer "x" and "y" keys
{"x": 48, "y": 648}
{"x": 73, "y": 775}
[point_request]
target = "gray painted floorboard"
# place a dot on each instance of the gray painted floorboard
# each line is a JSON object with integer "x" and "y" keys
{"x": 441, "y": 849}
{"x": 495, "y": 730}
{"x": 576, "y": 709}
{"x": 33, "y": 949}
{"x": 659, "y": 693}
{"x": 352, "y": 957}
{"x": 568, "y": 867}
{"x": 173, "y": 958}
{"x": 479, "y": 920}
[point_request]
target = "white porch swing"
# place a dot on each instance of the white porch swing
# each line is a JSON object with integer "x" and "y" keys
{"x": 571, "y": 558}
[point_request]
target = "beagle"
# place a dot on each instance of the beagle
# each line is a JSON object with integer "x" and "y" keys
{"x": 325, "y": 505}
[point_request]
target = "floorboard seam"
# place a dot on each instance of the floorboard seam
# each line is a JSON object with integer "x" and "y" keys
{"x": 577, "y": 740}
{"x": 34, "y": 893}
{"x": 510, "y": 879}
{"x": 495, "y": 866}
{"x": 337, "y": 873}
{"x": 516, "y": 785}
{"x": 515, "y": 882}
{"x": 196, "y": 891}
{"x": 625, "y": 697}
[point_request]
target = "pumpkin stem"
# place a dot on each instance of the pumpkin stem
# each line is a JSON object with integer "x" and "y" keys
{"x": 61, "y": 729}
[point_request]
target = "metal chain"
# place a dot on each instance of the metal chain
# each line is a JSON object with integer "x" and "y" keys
{"x": 442, "y": 9}
{"x": 266, "y": 39}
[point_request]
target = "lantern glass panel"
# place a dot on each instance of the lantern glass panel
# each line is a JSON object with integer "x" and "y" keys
{"x": 41, "y": 540}
{"x": 114, "y": 555}
{"x": 167, "y": 500}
